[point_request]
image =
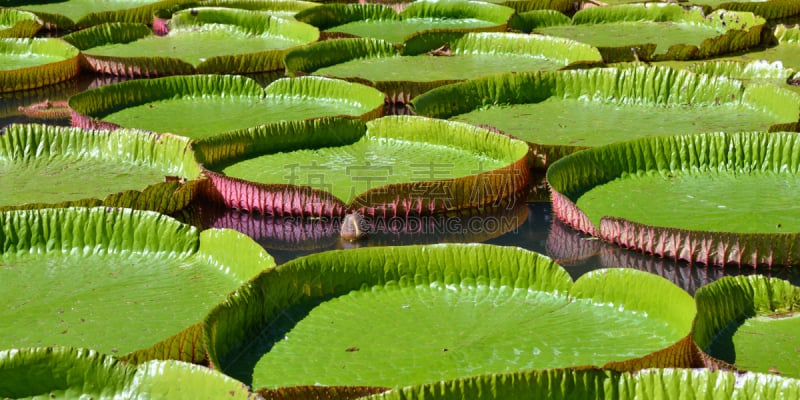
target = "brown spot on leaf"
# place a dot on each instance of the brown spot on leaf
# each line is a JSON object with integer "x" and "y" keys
{"x": 351, "y": 349}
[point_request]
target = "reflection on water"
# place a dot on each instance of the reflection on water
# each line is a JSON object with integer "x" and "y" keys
{"x": 530, "y": 226}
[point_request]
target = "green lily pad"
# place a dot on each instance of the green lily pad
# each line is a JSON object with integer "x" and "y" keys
{"x": 66, "y": 372}
{"x": 787, "y": 49}
{"x": 769, "y": 9}
{"x": 597, "y": 384}
{"x": 382, "y": 22}
{"x": 33, "y": 63}
{"x": 203, "y": 105}
{"x": 432, "y": 59}
{"x": 397, "y": 316}
{"x": 565, "y": 111}
{"x": 16, "y": 23}
{"x": 72, "y": 14}
{"x": 135, "y": 284}
{"x": 519, "y": 6}
{"x": 122, "y": 168}
{"x": 200, "y": 40}
{"x": 712, "y": 198}
{"x": 275, "y": 8}
{"x": 751, "y": 322}
{"x": 391, "y": 166}
{"x": 652, "y": 31}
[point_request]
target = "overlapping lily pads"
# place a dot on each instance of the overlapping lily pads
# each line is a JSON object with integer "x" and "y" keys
{"x": 432, "y": 59}
{"x": 606, "y": 385}
{"x": 751, "y": 322}
{"x": 382, "y": 22}
{"x": 390, "y": 166}
{"x": 134, "y": 284}
{"x": 561, "y": 112}
{"x": 65, "y": 372}
{"x": 398, "y": 316}
{"x": 201, "y": 40}
{"x": 73, "y": 14}
{"x": 122, "y": 168}
{"x": 652, "y": 31}
{"x": 16, "y": 23}
{"x": 786, "y": 50}
{"x": 32, "y": 63}
{"x": 712, "y": 198}
{"x": 198, "y": 106}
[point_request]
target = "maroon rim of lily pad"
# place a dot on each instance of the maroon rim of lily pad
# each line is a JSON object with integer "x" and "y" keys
{"x": 695, "y": 246}
{"x": 489, "y": 189}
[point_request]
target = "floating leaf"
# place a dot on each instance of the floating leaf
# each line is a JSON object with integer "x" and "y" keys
{"x": 561, "y": 112}
{"x": 130, "y": 283}
{"x": 16, "y": 23}
{"x": 432, "y": 59}
{"x": 652, "y": 31}
{"x": 72, "y": 14}
{"x": 73, "y": 372}
{"x": 194, "y": 106}
{"x": 750, "y": 322}
{"x": 713, "y": 198}
{"x": 397, "y": 316}
{"x": 330, "y": 167}
{"x": 382, "y": 22}
{"x": 122, "y": 168}
{"x": 606, "y": 385}
{"x": 200, "y": 40}
{"x": 32, "y": 63}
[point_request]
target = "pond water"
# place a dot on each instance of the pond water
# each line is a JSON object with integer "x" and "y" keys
{"x": 528, "y": 225}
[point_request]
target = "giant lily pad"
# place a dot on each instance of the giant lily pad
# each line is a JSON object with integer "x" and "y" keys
{"x": 590, "y": 384}
{"x": 652, "y": 31}
{"x": 275, "y": 8}
{"x": 712, "y": 198}
{"x": 33, "y": 63}
{"x": 71, "y": 14}
{"x": 751, "y": 322}
{"x": 200, "y": 40}
{"x": 66, "y": 372}
{"x": 203, "y": 105}
{"x": 787, "y": 49}
{"x": 561, "y": 112}
{"x": 70, "y": 166}
{"x": 432, "y": 59}
{"x": 382, "y": 22}
{"x": 392, "y": 166}
{"x": 769, "y": 9}
{"x": 16, "y": 23}
{"x": 396, "y": 316}
{"x": 135, "y": 284}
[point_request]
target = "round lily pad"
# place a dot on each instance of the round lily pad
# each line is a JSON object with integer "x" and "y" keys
{"x": 16, "y": 23}
{"x": 598, "y": 384}
{"x": 200, "y": 40}
{"x": 67, "y": 372}
{"x": 397, "y": 316}
{"x": 652, "y": 31}
{"x": 382, "y": 22}
{"x": 565, "y": 111}
{"x": 712, "y": 198}
{"x": 431, "y": 59}
{"x": 390, "y": 166}
{"x": 32, "y": 63}
{"x": 202, "y": 105}
{"x": 751, "y": 322}
{"x": 135, "y": 284}
{"x": 72, "y": 14}
{"x": 121, "y": 168}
